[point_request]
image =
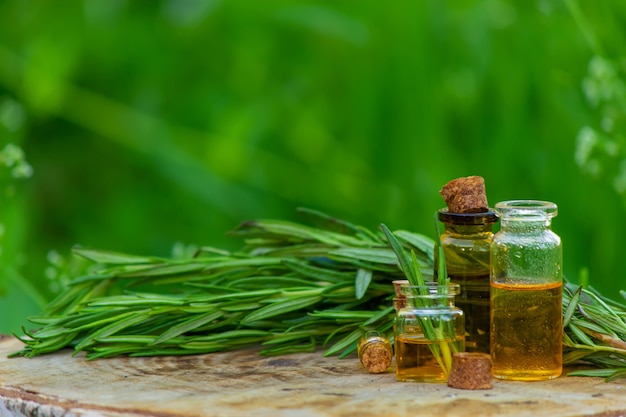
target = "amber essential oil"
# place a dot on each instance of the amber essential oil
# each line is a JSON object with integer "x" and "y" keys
{"x": 415, "y": 361}
{"x": 474, "y": 301}
{"x": 526, "y": 332}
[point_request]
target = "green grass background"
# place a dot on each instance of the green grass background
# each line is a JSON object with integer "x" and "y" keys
{"x": 153, "y": 125}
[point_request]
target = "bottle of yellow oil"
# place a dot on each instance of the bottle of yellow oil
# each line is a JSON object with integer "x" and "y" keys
{"x": 466, "y": 242}
{"x": 526, "y": 285}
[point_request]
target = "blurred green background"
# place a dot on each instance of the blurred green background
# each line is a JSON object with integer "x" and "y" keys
{"x": 148, "y": 126}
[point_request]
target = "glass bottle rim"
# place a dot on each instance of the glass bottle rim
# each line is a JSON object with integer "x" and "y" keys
{"x": 526, "y": 209}
{"x": 468, "y": 219}
{"x": 432, "y": 290}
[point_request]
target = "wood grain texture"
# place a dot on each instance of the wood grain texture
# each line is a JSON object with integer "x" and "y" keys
{"x": 244, "y": 384}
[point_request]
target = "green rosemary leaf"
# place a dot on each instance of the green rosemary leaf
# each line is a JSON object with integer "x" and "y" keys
{"x": 373, "y": 255}
{"x": 571, "y": 307}
{"x": 442, "y": 270}
{"x": 242, "y": 306}
{"x": 376, "y": 238}
{"x": 136, "y": 339}
{"x": 111, "y": 353}
{"x": 323, "y": 220}
{"x": 344, "y": 343}
{"x": 608, "y": 301}
{"x": 600, "y": 300}
{"x": 321, "y": 274}
{"x": 567, "y": 340}
{"x": 416, "y": 271}
{"x": 290, "y": 349}
{"x": 52, "y": 332}
{"x": 47, "y": 320}
{"x": 601, "y": 373}
{"x": 230, "y": 319}
{"x": 342, "y": 315}
{"x": 291, "y": 336}
{"x": 601, "y": 322}
{"x": 283, "y": 307}
{"x": 89, "y": 279}
{"x": 590, "y": 328}
{"x": 245, "y": 295}
{"x": 243, "y": 262}
{"x": 341, "y": 288}
{"x": 424, "y": 244}
{"x": 67, "y": 298}
{"x": 582, "y": 336}
{"x": 252, "y": 283}
{"x": 164, "y": 352}
{"x": 575, "y": 355}
{"x": 386, "y": 269}
{"x": 403, "y": 259}
{"x": 38, "y": 346}
{"x": 133, "y": 300}
{"x": 126, "y": 320}
{"x": 617, "y": 374}
{"x": 26, "y": 340}
{"x": 349, "y": 350}
{"x": 112, "y": 258}
{"x": 379, "y": 316}
{"x": 188, "y": 325}
{"x": 211, "y": 251}
{"x": 338, "y": 331}
{"x": 164, "y": 269}
{"x": 285, "y": 229}
{"x": 362, "y": 282}
{"x": 304, "y": 251}
{"x": 233, "y": 335}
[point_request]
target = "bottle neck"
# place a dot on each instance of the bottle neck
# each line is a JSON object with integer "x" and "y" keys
{"x": 525, "y": 224}
{"x": 468, "y": 230}
{"x": 430, "y": 301}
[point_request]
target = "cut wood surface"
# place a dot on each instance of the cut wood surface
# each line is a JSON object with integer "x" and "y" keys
{"x": 242, "y": 383}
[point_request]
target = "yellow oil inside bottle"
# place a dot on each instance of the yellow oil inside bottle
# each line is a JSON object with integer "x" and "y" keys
{"x": 474, "y": 301}
{"x": 526, "y": 331}
{"x": 415, "y": 360}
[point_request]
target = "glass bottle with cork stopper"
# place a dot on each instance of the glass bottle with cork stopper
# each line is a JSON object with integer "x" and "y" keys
{"x": 526, "y": 293}
{"x": 466, "y": 240}
{"x": 375, "y": 351}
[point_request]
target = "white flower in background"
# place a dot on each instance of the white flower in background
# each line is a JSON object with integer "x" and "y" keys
{"x": 619, "y": 182}
{"x": 586, "y": 141}
{"x": 12, "y": 114}
{"x": 600, "y": 150}
{"x": 12, "y": 157}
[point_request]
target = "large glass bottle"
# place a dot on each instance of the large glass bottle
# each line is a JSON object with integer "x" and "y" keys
{"x": 466, "y": 241}
{"x": 428, "y": 330}
{"x": 526, "y": 285}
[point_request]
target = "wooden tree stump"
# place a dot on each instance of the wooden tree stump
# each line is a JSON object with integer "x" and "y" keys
{"x": 243, "y": 383}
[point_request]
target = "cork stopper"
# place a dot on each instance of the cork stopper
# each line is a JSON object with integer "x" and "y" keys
{"x": 399, "y": 301}
{"x": 465, "y": 195}
{"x": 470, "y": 370}
{"x": 375, "y": 352}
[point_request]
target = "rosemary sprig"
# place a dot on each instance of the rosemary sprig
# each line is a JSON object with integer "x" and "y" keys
{"x": 594, "y": 332}
{"x": 290, "y": 289}
{"x": 436, "y": 330}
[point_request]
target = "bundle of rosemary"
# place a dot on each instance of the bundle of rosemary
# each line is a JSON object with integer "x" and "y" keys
{"x": 291, "y": 288}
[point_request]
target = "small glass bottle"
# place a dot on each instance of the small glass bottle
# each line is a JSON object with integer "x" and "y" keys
{"x": 375, "y": 351}
{"x": 466, "y": 242}
{"x": 526, "y": 285}
{"x": 427, "y": 332}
